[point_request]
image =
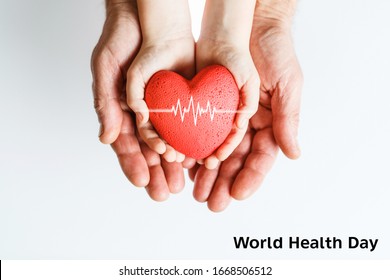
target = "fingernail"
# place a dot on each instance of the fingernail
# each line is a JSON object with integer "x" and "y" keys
{"x": 101, "y": 130}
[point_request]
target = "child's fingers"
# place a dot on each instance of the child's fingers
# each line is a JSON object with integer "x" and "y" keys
{"x": 151, "y": 138}
{"x": 135, "y": 88}
{"x": 180, "y": 157}
{"x": 211, "y": 162}
{"x": 232, "y": 141}
{"x": 249, "y": 100}
{"x": 170, "y": 153}
{"x": 249, "y": 83}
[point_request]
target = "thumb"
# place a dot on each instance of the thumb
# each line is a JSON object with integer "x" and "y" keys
{"x": 107, "y": 88}
{"x": 285, "y": 109}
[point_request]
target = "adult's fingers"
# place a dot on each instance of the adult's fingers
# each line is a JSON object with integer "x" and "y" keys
{"x": 220, "y": 196}
{"x": 174, "y": 175}
{"x": 204, "y": 182}
{"x": 127, "y": 148}
{"x": 257, "y": 165}
{"x": 157, "y": 188}
{"x": 170, "y": 153}
{"x": 285, "y": 109}
{"x": 192, "y": 171}
{"x": 153, "y": 140}
{"x": 107, "y": 88}
{"x": 189, "y": 162}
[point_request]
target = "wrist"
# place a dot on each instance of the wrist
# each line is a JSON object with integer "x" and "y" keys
{"x": 121, "y": 6}
{"x": 227, "y": 21}
{"x": 163, "y": 20}
{"x": 274, "y": 15}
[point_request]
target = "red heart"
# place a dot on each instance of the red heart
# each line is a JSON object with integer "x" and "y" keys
{"x": 196, "y": 116}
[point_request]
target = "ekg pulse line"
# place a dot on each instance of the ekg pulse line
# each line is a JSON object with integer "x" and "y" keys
{"x": 197, "y": 110}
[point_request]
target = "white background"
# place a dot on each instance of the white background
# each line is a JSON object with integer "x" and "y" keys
{"x": 63, "y": 195}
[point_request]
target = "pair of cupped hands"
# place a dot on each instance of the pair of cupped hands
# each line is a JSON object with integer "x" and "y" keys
{"x": 129, "y": 52}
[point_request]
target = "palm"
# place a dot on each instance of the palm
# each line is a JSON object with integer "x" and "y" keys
{"x": 112, "y": 57}
{"x": 176, "y": 55}
{"x": 281, "y": 84}
{"x": 243, "y": 172}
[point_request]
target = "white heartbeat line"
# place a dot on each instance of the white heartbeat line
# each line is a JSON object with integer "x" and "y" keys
{"x": 198, "y": 111}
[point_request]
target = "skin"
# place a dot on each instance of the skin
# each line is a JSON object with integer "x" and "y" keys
{"x": 167, "y": 44}
{"x": 116, "y": 50}
{"x": 275, "y": 123}
{"x": 273, "y": 126}
{"x": 224, "y": 40}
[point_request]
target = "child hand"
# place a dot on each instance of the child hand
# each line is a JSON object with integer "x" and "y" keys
{"x": 167, "y": 44}
{"x": 224, "y": 40}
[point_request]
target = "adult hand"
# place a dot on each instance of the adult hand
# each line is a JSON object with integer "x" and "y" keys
{"x": 282, "y": 79}
{"x": 115, "y": 51}
{"x": 167, "y": 44}
{"x": 276, "y": 121}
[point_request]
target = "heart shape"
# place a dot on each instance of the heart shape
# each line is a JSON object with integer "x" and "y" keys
{"x": 196, "y": 116}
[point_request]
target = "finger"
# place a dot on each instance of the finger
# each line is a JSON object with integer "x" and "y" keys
{"x": 257, "y": 165}
{"x": 180, "y": 157}
{"x": 127, "y": 148}
{"x": 211, "y": 162}
{"x": 107, "y": 88}
{"x": 135, "y": 89}
{"x": 249, "y": 100}
{"x": 144, "y": 67}
{"x": 174, "y": 175}
{"x": 232, "y": 141}
{"x": 204, "y": 182}
{"x": 135, "y": 99}
{"x": 189, "y": 162}
{"x": 157, "y": 188}
{"x": 220, "y": 196}
{"x": 192, "y": 172}
{"x": 136, "y": 82}
{"x": 285, "y": 108}
{"x": 170, "y": 153}
{"x": 151, "y": 138}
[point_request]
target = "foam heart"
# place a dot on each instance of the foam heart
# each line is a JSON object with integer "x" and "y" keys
{"x": 196, "y": 116}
